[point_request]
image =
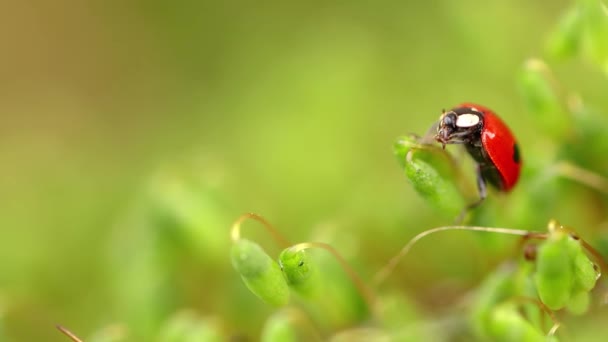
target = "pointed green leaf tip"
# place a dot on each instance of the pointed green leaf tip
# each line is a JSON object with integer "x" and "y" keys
{"x": 433, "y": 174}
{"x": 260, "y": 273}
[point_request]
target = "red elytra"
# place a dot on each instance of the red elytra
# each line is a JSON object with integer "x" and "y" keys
{"x": 487, "y": 139}
{"x": 500, "y": 145}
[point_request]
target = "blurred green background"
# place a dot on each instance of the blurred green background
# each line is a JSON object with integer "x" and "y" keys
{"x": 286, "y": 109}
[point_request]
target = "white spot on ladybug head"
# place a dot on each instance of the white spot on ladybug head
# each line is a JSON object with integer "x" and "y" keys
{"x": 467, "y": 120}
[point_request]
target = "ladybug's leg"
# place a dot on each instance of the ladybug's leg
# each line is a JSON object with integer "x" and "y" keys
{"x": 483, "y": 192}
{"x": 481, "y": 186}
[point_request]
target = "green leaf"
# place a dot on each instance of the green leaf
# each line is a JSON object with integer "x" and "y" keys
{"x": 565, "y": 41}
{"x": 260, "y": 273}
{"x": 554, "y": 276}
{"x": 395, "y": 308}
{"x": 584, "y": 270}
{"x": 188, "y": 210}
{"x": 579, "y": 303}
{"x": 542, "y": 99}
{"x": 595, "y": 14}
{"x": 507, "y": 324}
{"x": 186, "y": 326}
{"x": 433, "y": 174}
{"x": 497, "y": 287}
{"x": 590, "y": 142}
{"x": 278, "y": 328}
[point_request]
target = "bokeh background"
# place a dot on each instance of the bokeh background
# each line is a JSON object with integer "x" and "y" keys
{"x": 113, "y": 111}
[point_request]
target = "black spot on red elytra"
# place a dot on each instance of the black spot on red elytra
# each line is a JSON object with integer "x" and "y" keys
{"x": 516, "y": 154}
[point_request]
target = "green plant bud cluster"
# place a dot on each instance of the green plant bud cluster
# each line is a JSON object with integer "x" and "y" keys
{"x": 564, "y": 274}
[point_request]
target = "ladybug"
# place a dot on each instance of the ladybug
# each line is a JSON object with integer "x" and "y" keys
{"x": 488, "y": 140}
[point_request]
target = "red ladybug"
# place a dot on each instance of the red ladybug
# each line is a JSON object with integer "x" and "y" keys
{"x": 488, "y": 140}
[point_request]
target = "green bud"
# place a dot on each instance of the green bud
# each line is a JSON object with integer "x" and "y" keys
{"x": 260, "y": 273}
{"x": 300, "y": 271}
{"x": 433, "y": 174}
{"x": 186, "y": 326}
{"x": 564, "y": 42}
{"x": 542, "y": 99}
{"x": 591, "y": 139}
{"x": 554, "y": 276}
{"x": 507, "y": 324}
{"x": 403, "y": 145}
{"x": 497, "y": 287}
{"x": 187, "y": 210}
{"x": 394, "y": 309}
{"x": 278, "y": 328}
{"x": 579, "y": 303}
{"x": 595, "y": 16}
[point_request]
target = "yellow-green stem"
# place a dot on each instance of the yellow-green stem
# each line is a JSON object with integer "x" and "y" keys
{"x": 381, "y": 275}
{"x": 68, "y": 333}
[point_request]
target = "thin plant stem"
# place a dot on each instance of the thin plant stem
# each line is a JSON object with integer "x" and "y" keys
{"x": 366, "y": 293}
{"x": 235, "y": 232}
{"x": 68, "y": 333}
{"x": 384, "y": 272}
{"x": 583, "y": 176}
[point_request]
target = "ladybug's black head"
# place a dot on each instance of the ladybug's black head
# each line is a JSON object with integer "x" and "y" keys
{"x": 459, "y": 126}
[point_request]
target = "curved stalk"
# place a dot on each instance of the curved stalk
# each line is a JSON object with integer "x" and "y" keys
{"x": 384, "y": 272}
{"x": 235, "y": 232}
{"x": 583, "y": 176}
